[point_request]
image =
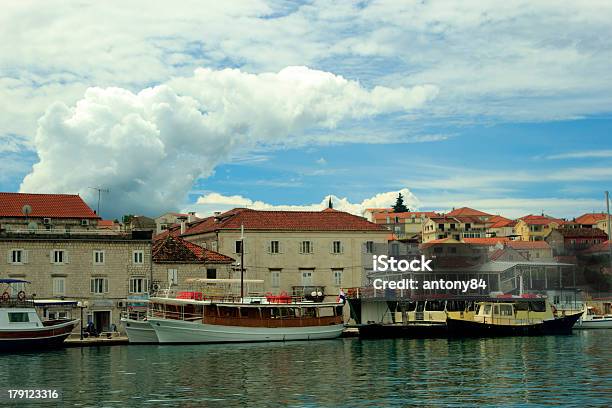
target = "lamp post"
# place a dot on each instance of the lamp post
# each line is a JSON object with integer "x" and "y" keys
{"x": 82, "y": 305}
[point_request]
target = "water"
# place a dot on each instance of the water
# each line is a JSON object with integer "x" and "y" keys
{"x": 556, "y": 370}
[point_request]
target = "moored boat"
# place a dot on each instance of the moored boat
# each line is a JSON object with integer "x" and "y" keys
{"x": 198, "y": 318}
{"x": 22, "y": 328}
{"x": 591, "y": 320}
{"x": 138, "y": 328}
{"x": 531, "y": 318}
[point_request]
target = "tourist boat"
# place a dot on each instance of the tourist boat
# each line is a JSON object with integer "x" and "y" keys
{"x": 196, "y": 317}
{"x": 590, "y": 320}
{"x": 418, "y": 319}
{"x": 138, "y": 328}
{"x": 512, "y": 317}
{"x": 20, "y": 325}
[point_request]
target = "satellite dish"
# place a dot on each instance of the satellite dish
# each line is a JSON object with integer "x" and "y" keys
{"x": 26, "y": 210}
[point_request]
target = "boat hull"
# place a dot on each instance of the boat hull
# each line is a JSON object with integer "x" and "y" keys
{"x": 42, "y": 338}
{"x": 605, "y": 323}
{"x": 386, "y": 331}
{"x": 179, "y": 331}
{"x": 467, "y": 328}
{"x": 139, "y": 331}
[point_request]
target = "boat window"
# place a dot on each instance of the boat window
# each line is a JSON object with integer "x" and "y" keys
{"x": 455, "y": 305}
{"x": 537, "y": 306}
{"x": 487, "y": 310}
{"x": 496, "y": 310}
{"x": 18, "y": 317}
{"x": 505, "y": 310}
{"x": 521, "y": 306}
{"x": 435, "y": 305}
{"x": 420, "y": 306}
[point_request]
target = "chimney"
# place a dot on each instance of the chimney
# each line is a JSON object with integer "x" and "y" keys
{"x": 191, "y": 216}
{"x": 182, "y": 220}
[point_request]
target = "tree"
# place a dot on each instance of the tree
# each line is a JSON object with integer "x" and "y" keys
{"x": 399, "y": 204}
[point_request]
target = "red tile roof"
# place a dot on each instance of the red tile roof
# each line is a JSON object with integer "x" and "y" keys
{"x": 528, "y": 245}
{"x": 541, "y": 220}
{"x": 582, "y": 232}
{"x": 467, "y": 211}
{"x": 497, "y": 221}
{"x": 177, "y": 250}
{"x": 485, "y": 241}
{"x": 106, "y": 224}
{"x": 403, "y": 215}
{"x": 45, "y": 206}
{"x": 283, "y": 221}
{"x": 590, "y": 218}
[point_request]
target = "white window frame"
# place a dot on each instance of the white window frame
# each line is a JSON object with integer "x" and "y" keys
{"x": 55, "y": 287}
{"x": 144, "y": 285}
{"x": 55, "y": 256}
{"x": 99, "y": 260}
{"x": 337, "y": 276}
{"x": 173, "y": 277}
{"x": 213, "y": 245}
{"x": 337, "y": 247}
{"x": 138, "y": 257}
{"x": 307, "y": 275}
{"x": 274, "y": 246}
{"x": 23, "y": 256}
{"x": 306, "y": 247}
{"x": 275, "y": 278}
{"x": 93, "y": 285}
{"x": 236, "y": 250}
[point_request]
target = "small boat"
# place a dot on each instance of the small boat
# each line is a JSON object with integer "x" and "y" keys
{"x": 137, "y": 327}
{"x": 195, "y": 317}
{"x": 590, "y": 320}
{"x": 21, "y": 326}
{"x": 510, "y": 318}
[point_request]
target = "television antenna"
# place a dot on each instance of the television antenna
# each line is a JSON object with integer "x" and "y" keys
{"x": 100, "y": 190}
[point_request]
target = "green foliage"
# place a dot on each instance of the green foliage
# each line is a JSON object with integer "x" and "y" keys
{"x": 399, "y": 204}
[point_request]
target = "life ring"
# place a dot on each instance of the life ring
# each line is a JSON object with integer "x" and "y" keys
{"x": 21, "y": 295}
{"x": 5, "y": 297}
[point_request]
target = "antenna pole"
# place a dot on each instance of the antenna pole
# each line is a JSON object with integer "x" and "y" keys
{"x": 241, "y": 262}
{"x": 100, "y": 190}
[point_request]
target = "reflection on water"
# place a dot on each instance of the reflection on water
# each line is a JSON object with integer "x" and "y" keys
{"x": 568, "y": 370}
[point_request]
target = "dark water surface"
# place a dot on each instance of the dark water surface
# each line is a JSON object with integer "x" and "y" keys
{"x": 571, "y": 370}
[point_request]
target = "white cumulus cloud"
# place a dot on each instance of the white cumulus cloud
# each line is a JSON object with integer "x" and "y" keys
{"x": 207, "y": 204}
{"x": 149, "y": 147}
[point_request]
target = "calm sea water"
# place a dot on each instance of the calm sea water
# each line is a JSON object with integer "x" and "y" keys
{"x": 571, "y": 370}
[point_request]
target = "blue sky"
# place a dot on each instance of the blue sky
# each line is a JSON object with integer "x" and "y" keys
{"x": 454, "y": 103}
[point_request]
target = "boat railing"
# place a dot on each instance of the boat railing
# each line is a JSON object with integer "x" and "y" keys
{"x": 510, "y": 321}
{"x": 16, "y": 303}
{"x": 175, "y": 315}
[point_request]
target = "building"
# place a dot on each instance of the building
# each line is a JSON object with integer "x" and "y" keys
{"x": 292, "y": 251}
{"x": 404, "y": 225}
{"x": 532, "y": 250}
{"x": 176, "y": 260}
{"x": 501, "y": 227}
{"x": 100, "y": 268}
{"x": 569, "y": 240}
{"x": 48, "y": 212}
{"x": 470, "y": 212}
{"x": 594, "y": 220}
{"x": 455, "y": 227}
{"x": 171, "y": 218}
{"x": 536, "y": 227}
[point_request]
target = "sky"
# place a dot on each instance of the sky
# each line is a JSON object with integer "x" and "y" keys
{"x": 191, "y": 105}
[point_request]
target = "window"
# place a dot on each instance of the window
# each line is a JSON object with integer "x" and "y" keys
{"x": 468, "y": 226}
{"x": 17, "y": 256}
{"x": 138, "y": 257}
{"x": 16, "y": 288}
{"x": 438, "y": 250}
{"x": 238, "y": 246}
{"x": 172, "y": 276}
{"x": 139, "y": 285}
{"x": 84, "y": 222}
{"x": 306, "y": 247}
{"x": 58, "y": 315}
{"x": 337, "y": 247}
{"x": 307, "y": 277}
{"x": 369, "y": 246}
{"x": 98, "y": 257}
{"x": 274, "y": 247}
{"x": 275, "y": 278}
{"x": 211, "y": 273}
{"x": 59, "y": 286}
{"x": 441, "y": 227}
{"x": 99, "y": 285}
{"x": 213, "y": 245}
{"x": 58, "y": 256}
{"x": 395, "y": 249}
{"x": 18, "y": 317}
{"x": 337, "y": 275}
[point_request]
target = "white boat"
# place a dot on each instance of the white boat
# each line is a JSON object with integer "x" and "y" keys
{"x": 22, "y": 328}
{"x": 591, "y": 320}
{"x": 197, "y": 318}
{"x": 138, "y": 328}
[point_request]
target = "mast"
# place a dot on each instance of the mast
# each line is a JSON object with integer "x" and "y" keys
{"x": 241, "y": 262}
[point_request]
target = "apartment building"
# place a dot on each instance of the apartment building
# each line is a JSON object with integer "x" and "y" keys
{"x": 404, "y": 225}
{"x": 455, "y": 227}
{"x": 594, "y": 220}
{"x": 536, "y": 227}
{"x": 292, "y": 251}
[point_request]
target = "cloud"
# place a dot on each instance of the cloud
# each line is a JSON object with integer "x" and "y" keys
{"x": 149, "y": 147}
{"x": 208, "y": 203}
{"x": 581, "y": 155}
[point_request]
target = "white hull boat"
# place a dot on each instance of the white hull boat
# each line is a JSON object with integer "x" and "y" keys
{"x": 590, "y": 320}
{"x": 139, "y": 331}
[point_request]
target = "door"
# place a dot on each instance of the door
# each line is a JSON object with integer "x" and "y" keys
{"x": 102, "y": 320}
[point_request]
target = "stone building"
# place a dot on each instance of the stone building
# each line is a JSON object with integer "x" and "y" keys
{"x": 99, "y": 268}
{"x": 292, "y": 251}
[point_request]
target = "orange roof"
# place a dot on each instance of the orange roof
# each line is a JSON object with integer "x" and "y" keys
{"x": 590, "y": 218}
{"x": 106, "y": 224}
{"x": 45, "y": 206}
{"x": 467, "y": 211}
{"x": 403, "y": 215}
{"x": 528, "y": 245}
{"x": 177, "y": 250}
{"x": 485, "y": 241}
{"x": 283, "y": 221}
{"x": 541, "y": 220}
